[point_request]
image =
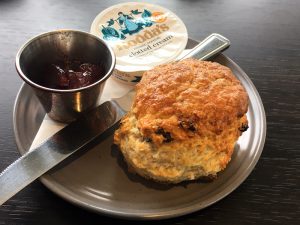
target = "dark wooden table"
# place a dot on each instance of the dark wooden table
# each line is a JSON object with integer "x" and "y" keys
{"x": 265, "y": 36}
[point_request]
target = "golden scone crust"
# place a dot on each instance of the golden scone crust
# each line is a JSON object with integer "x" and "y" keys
{"x": 184, "y": 122}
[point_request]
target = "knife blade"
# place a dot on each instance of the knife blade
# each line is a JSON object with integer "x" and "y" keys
{"x": 62, "y": 144}
{"x": 77, "y": 134}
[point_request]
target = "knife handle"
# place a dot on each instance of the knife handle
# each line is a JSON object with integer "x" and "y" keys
{"x": 209, "y": 47}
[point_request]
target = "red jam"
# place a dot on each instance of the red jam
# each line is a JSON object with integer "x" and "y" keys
{"x": 71, "y": 75}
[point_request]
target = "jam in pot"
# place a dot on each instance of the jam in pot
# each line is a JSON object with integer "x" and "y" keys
{"x": 71, "y": 74}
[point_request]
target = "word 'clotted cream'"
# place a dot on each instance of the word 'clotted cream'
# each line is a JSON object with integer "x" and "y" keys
{"x": 142, "y": 36}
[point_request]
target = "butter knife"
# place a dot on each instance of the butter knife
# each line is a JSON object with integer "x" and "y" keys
{"x": 77, "y": 134}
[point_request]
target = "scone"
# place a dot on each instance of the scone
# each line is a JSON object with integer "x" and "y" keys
{"x": 184, "y": 122}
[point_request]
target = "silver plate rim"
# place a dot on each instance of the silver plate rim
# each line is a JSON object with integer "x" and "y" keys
{"x": 58, "y": 189}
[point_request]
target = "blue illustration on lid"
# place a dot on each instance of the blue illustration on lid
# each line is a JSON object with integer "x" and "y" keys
{"x": 126, "y": 24}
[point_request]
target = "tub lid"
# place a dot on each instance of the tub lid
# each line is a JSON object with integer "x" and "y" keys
{"x": 142, "y": 35}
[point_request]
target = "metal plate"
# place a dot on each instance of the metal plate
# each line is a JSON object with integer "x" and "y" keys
{"x": 98, "y": 180}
